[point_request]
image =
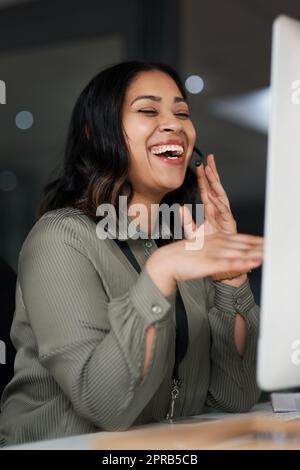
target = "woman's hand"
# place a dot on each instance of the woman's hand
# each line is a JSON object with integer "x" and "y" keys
{"x": 220, "y": 252}
{"x": 213, "y": 249}
{"x": 217, "y": 213}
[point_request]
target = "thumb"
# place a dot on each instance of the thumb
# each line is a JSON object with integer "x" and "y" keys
{"x": 187, "y": 223}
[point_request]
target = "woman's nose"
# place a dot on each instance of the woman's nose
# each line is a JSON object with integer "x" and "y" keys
{"x": 169, "y": 122}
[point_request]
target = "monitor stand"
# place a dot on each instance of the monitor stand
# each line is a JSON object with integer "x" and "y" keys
{"x": 285, "y": 402}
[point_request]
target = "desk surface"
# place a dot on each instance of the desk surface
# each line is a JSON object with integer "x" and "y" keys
{"x": 261, "y": 428}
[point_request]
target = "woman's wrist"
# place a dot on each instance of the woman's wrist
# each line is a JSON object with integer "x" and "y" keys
{"x": 236, "y": 281}
{"x": 161, "y": 274}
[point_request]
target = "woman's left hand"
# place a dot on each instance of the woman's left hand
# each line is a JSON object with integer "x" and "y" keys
{"x": 217, "y": 213}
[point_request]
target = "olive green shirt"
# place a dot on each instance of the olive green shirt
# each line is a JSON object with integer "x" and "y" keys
{"x": 79, "y": 328}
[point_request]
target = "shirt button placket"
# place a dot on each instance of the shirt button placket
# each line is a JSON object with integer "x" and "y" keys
{"x": 148, "y": 244}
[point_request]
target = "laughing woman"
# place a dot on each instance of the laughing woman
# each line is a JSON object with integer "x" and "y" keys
{"x": 110, "y": 333}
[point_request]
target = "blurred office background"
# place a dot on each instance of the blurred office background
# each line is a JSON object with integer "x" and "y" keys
{"x": 49, "y": 50}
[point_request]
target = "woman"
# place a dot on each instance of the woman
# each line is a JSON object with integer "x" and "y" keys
{"x": 96, "y": 339}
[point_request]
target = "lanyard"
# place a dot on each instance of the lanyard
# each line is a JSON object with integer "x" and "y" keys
{"x": 181, "y": 343}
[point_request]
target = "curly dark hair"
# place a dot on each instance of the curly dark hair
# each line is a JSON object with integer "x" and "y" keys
{"x": 95, "y": 168}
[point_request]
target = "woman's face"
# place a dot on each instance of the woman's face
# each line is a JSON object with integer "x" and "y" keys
{"x": 155, "y": 121}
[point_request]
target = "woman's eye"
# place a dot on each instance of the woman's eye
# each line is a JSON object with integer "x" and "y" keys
{"x": 147, "y": 111}
{"x": 184, "y": 115}
{"x": 153, "y": 112}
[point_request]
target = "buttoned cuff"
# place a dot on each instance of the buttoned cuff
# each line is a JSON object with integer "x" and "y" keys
{"x": 149, "y": 300}
{"x": 234, "y": 299}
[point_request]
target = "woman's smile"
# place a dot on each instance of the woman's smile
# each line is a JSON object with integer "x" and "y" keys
{"x": 170, "y": 152}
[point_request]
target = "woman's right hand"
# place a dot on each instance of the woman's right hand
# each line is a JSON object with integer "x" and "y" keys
{"x": 220, "y": 252}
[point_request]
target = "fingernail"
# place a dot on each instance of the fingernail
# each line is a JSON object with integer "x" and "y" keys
{"x": 197, "y": 162}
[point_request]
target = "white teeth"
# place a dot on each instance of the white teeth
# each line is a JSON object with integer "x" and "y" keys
{"x": 176, "y": 149}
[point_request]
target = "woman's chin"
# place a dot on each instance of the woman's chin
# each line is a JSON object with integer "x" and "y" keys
{"x": 172, "y": 186}
{"x": 174, "y": 183}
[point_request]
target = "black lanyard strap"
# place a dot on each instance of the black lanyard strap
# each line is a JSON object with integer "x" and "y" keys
{"x": 123, "y": 245}
{"x": 182, "y": 335}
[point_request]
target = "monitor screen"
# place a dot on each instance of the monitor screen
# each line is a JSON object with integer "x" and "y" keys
{"x": 279, "y": 341}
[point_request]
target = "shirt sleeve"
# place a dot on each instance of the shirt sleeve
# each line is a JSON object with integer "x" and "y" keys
{"x": 93, "y": 347}
{"x": 233, "y": 385}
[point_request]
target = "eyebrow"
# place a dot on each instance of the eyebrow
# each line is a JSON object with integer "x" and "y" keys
{"x": 177, "y": 99}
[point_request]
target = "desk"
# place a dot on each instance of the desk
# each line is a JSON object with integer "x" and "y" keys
{"x": 207, "y": 431}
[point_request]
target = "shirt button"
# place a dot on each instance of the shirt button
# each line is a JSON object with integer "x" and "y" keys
{"x": 238, "y": 302}
{"x": 156, "y": 309}
{"x": 148, "y": 244}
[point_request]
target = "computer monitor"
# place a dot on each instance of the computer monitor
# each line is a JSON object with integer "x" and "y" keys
{"x": 279, "y": 338}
